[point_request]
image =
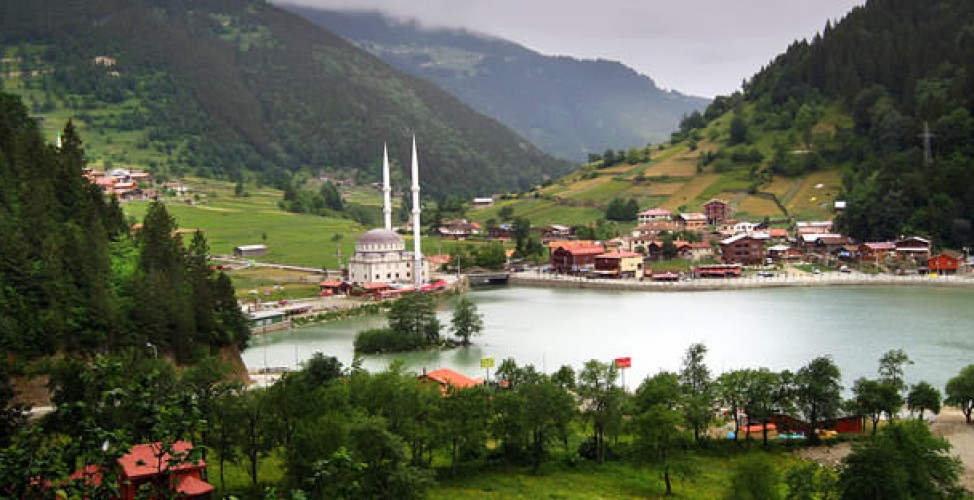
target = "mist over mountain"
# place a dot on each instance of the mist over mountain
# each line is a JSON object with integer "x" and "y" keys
{"x": 566, "y": 106}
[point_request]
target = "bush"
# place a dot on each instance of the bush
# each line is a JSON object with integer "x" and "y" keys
{"x": 379, "y": 340}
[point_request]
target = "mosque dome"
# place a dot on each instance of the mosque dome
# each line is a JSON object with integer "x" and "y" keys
{"x": 380, "y": 239}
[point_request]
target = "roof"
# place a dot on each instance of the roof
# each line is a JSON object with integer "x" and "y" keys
{"x": 375, "y": 286}
{"x": 618, "y": 255}
{"x": 380, "y": 236}
{"x": 438, "y": 259}
{"x": 693, "y": 216}
{"x": 269, "y": 313}
{"x": 777, "y": 232}
{"x": 247, "y": 248}
{"x": 449, "y": 377}
{"x": 734, "y": 239}
{"x": 144, "y": 459}
{"x": 584, "y": 249}
{"x": 716, "y": 200}
{"x": 569, "y": 243}
{"x": 330, "y": 284}
{"x": 657, "y": 225}
{"x": 879, "y": 246}
{"x": 655, "y": 212}
{"x": 191, "y": 486}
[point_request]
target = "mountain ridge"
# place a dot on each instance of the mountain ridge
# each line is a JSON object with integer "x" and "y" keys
{"x": 568, "y": 107}
{"x": 244, "y": 89}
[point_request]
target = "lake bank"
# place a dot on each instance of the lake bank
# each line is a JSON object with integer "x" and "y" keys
{"x": 782, "y": 280}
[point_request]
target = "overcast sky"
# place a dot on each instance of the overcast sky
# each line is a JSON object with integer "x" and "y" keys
{"x": 699, "y": 47}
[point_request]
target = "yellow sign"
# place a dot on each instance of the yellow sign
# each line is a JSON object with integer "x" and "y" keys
{"x": 486, "y": 362}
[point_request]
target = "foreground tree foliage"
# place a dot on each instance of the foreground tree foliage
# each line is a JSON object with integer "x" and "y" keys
{"x": 904, "y": 461}
{"x": 73, "y": 280}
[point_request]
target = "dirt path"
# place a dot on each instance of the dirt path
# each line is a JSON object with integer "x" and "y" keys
{"x": 949, "y": 424}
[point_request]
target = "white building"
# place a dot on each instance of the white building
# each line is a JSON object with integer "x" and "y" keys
{"x": 380, "y": 254}
{"x": 381, "y": 257}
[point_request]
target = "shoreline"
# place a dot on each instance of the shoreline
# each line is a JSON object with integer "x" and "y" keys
{"x": 742, "y": 283}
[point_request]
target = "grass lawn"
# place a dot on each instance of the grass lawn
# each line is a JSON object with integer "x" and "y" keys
{"x": 228, "y": 221}
{"x": 710, "y": 477}
{"x": 690, "y": 191}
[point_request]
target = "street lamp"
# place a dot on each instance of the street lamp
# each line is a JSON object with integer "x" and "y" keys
{"x": 155, "y": 351}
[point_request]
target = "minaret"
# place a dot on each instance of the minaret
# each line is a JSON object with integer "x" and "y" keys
{"x": 417, "y": 249}
{"x": 386, "y": 189}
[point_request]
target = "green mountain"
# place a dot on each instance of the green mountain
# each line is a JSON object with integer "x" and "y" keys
{"x": 242, "y": 89}
{"x": 841, "y": 117}
{"x": 863, "y": 96}
{"x": 567, "y": 107}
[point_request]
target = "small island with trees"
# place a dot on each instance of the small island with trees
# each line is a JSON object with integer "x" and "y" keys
{"x": 413, "y": 325}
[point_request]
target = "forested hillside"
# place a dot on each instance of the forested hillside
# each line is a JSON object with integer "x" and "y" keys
{"x": 242, "y": 89}
{"x": 73, "y": 280}
{"x": 859, "y": 96}
{"x": 567, "y": 107}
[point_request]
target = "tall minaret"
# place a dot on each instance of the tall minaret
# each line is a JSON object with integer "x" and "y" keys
{"x": 417, "y": 249}
{"x": 386, "y": 189}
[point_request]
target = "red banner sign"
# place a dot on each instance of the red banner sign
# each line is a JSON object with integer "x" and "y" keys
{"x": 625, "y": 362}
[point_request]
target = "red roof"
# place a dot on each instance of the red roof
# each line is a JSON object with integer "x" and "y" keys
{"x": 192, "y": 486}
{"x": 144, "y": 459}
{"x": 330, "y": 284}
{"x": 438, "y": 259}
{"x": 449, "y": 377}
{"x": 375, "y": 286}
{"x": 585, "y": 249}
{"x": 778, "y": 232}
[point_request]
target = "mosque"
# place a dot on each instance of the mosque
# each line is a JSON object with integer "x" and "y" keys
{"x": 380, "y": 254}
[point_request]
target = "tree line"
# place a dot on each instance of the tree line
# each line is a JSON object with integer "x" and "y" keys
{"x": 345, "y": 432}
{"x": 75, "y": 280}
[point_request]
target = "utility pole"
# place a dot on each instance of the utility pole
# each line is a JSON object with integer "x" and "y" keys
{"x": 927, "y": 136}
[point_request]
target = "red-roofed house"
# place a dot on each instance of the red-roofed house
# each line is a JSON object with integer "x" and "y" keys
{"x": 945, "y": 263}
{"x": 150, "y": 466}
{"x": 691, "y": 221}
{"x": 448, "y": 378}
{"x": 619, "y": 264}
{"x": 575, "y": 258}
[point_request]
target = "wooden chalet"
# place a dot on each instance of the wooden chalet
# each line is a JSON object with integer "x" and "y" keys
{"x": 575, "y": 258}
{"x": 459, "y": 229}
{"x": 742, "y": 249}
{"x": 779, "y": 253}
{"x": 822, "y": 244}
{"x": 716, "y": 211}
{"x": 877, "y": 251}
{"x": 913, "y": 247}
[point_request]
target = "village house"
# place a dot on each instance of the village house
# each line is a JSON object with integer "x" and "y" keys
{"x": 153, "y": 465}
{"x": 877, "y": 251}
{"x": 482, "y": 202}
{"x": 701, "y": 250}
{"x": 575, "y": 258}
{"x": 716, "y": 211}
{"x": 458, "y": 229}
{"x": 556, "y": 232}
{"x": 655, "y": 228}
{"x": 249, "y": 250}
{"x": 654, "y": 250}
{"x": 742, "y": 249}
{"x": 619, "y": 265}
{"x": 653, "y": 214}
{"x": 778, "y": 234}
{"x": 913, "y": 247}
{"x": 822, "y": 244}
{"x": 945, "y": 263}
{"x": 695, "y": 221}
{"x": 813, "y": 227}
{"x": 446, "y": 378}
{"x": 780, "y": 253}
{"x": 500, "y": 231}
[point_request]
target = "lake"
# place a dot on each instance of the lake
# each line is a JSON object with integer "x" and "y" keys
{"x": 773, "y": 328}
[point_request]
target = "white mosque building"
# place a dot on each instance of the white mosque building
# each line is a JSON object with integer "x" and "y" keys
{"x": 380, "y": 254}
